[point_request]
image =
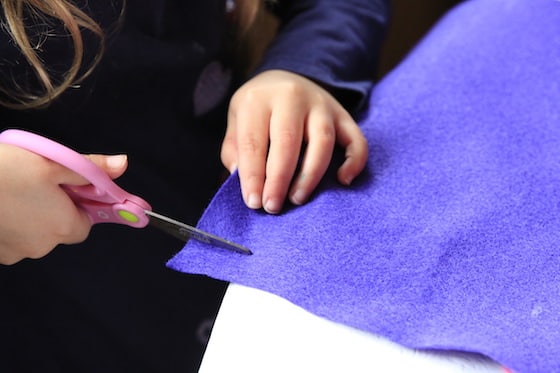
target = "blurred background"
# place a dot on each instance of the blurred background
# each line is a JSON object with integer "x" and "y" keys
{"x": 410, "y": 20}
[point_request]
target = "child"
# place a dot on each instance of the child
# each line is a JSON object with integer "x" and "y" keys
{"x": 154, "y": 82}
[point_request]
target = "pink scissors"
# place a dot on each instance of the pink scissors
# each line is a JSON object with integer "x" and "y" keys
{"x": 103, "y": 200}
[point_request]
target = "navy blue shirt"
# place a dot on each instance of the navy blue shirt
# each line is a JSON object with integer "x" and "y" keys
{"x": 159, "y": 95}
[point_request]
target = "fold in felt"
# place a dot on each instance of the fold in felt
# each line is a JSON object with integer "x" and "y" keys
{"x": 450, "y": 237}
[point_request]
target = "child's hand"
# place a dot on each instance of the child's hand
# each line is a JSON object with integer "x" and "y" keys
{"x": 270, "y": 117}
{"x": 35, "y": 213}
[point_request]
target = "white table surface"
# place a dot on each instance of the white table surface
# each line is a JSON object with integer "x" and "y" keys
{"x": 258, "y": 332}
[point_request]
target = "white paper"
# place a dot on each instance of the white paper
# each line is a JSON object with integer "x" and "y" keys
{"x": 258, "y": 332}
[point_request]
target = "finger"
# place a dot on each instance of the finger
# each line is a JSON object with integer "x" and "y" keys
{"x": 74, "y": 229}
{"x": 72, "y": 224}
{"x": 316, "y": 159}
{"x": 68, "y": 224}
{"x": 351, "y": 138}
{"x": 228, "y": 153}
{"x": 252, "y": 146}
{"x": 286, "y": 135}
{"x": 113, "y": 165}
{"x": 78, "y": 230}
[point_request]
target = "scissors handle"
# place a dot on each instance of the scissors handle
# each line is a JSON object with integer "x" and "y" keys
{"x": 103, "y": 200}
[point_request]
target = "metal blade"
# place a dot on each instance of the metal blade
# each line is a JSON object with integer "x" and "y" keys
{"x": 184, "y": 232}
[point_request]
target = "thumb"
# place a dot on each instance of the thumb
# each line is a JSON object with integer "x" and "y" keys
{"x": 113, "y": 165}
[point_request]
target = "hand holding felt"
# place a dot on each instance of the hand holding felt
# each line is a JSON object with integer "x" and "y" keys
{"x": 270, "y": 118}
{"x": 450, "y": 239}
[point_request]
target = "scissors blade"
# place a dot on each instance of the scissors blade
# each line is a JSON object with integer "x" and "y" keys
{"x": 184, "y": 232}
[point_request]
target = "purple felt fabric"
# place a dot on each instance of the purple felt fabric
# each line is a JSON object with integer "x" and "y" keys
{"x": 451, "y": 237}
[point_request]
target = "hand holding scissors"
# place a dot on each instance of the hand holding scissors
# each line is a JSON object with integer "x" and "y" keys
{"x": 103, "y": 200}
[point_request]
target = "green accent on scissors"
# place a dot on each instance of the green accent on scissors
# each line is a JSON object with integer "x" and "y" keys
{"x": 128, "y": 216}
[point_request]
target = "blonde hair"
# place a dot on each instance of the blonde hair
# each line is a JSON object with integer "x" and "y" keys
{"x": 17, "y": 13}
{"x": 22, "y": 15}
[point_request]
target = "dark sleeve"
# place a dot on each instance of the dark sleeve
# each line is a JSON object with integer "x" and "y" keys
{"x": 333, "y": 42}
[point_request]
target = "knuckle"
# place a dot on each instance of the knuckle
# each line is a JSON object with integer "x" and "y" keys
{"x": 74, "y": 231}
{"x": 359, "y": 153}
{"x": 293, "y": 88}
{"x": 327, "y": 135}
{"x": 323, "y": 133}
{"x": 288, "y": 139}
{"x": 245, "y": 96}
{"x": 225, "y": 155}
{"x": 254, "y": 178}
{"x": 363, "y": 144}
{"x": 228, "y": 143}
{"x": 250, "y": 145}
{"x": 41, "y": 251}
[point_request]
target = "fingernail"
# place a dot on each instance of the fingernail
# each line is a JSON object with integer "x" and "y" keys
{"x": 233, "y": 168}
{"x": 116, "y": 161}
{"x": 298, "y": 197}
{"x": 254, "y": 201}
{"x": 347, "y": 180}
{"x": 272, "y": 206}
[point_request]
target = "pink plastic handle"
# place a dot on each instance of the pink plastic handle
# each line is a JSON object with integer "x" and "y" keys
{"x": 103, "y": 200}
